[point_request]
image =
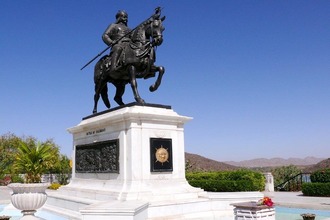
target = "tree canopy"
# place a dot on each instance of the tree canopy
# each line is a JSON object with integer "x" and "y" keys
{"x": 27, "y": 155}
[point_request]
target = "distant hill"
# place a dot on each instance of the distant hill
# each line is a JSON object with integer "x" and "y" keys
{"x": 275, "y": 162}
{"x": 196, "y": 162}
{"x": 320, "y": 165}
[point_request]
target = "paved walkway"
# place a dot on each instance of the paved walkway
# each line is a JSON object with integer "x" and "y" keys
{"x": 297, "y": 200}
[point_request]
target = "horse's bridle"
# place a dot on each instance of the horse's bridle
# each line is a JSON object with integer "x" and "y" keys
{"x": 156, "y": 37}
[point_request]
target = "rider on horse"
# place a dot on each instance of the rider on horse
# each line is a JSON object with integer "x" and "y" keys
{"x": 116, "y": 36}
{"x": 132, "y": 57}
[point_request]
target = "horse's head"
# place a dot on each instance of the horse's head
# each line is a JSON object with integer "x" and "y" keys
{"x": 155, "y": 31}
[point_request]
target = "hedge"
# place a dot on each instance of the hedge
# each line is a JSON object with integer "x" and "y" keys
{"x": 228, "y": 181}
{"x": 321, "y": 176}
{"x": 316, "y": 189}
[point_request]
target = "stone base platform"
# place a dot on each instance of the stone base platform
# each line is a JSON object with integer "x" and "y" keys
{"x": 128, "y": 163}
{"x": 210, "y": 206}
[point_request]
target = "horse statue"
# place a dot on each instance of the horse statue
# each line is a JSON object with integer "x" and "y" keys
{"x": 136, "y": 61}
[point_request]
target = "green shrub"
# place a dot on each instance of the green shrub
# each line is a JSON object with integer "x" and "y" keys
{"x": 16, "y": 178}
{"x": 321, "y": 176}
{"x": 316, "y": 189}
{"x": 201, "y": 176}
{"x": 54, "y": 186}
{"x": 228, "y": 181}
{"x": 283, "y": 173}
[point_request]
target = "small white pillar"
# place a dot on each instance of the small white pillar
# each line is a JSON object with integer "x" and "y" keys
{"x": 269, "y": 187}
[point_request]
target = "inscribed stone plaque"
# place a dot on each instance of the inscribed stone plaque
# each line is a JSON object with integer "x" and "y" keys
{"x": 161, "y": 155}
{"x": 99, "y": 157}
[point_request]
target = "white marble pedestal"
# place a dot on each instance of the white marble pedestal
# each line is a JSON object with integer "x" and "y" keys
{"x": 250, "y": 210}
{"x": 133, "y": 128}
{"x": 133, "y": 188}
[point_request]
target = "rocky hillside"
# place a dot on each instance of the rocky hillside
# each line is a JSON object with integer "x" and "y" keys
{"x": 196, "y": 162}
{"x": 321, "y": 165}
{"x": 275, "y": 162}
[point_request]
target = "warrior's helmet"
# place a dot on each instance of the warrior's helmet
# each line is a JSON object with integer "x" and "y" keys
{"x": 121, "y": 13}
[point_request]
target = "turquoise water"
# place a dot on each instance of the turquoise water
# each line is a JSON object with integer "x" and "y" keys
{"x": 15, "y": 214}
{"x": 284, "y": 213}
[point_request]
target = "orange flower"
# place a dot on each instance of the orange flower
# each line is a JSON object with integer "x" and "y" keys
{"x": 266, "y": 201}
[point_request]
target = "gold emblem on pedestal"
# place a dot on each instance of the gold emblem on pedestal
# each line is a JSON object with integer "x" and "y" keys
{"x": 162, "y": 155}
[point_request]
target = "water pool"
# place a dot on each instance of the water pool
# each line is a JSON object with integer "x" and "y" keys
{"x": 284, "y": 213}
{"x": 16, "y": 214}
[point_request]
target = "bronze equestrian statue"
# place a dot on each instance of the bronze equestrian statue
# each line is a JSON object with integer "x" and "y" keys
{"x": 132, "y": 56}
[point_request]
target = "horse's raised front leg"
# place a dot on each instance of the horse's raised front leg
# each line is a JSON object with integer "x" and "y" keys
{"x": 132, "y": 72}
{"x": 161, "y": 71}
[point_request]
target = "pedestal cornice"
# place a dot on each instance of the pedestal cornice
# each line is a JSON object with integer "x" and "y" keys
{"x": 132, "y": 113}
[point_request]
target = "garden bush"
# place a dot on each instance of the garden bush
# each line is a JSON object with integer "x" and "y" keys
{"x": 320, "y": 184}
{"x": 5, "y": 180}
{"x": 16, "y": 178}
{"x": 321, "y": 176}
{"x": 54, "y": 186}
{"x": 316, "y": 189}
{"x": 283, "y": 173}
{"x": 228, "y": 181}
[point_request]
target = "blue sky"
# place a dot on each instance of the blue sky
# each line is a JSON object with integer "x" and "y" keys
{"x": 254, "y": 75}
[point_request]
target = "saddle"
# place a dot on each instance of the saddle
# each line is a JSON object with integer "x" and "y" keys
{"x": 139, "y": 54}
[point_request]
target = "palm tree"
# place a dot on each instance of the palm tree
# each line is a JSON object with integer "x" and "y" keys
{"x": 34, "y": 159}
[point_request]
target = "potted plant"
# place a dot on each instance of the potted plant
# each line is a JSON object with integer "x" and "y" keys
{"x": 308, "y": 216}
{"x": 33, "y": 159}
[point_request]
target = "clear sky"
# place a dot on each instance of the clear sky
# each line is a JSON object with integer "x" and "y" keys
{"x": 253, "y": 74}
